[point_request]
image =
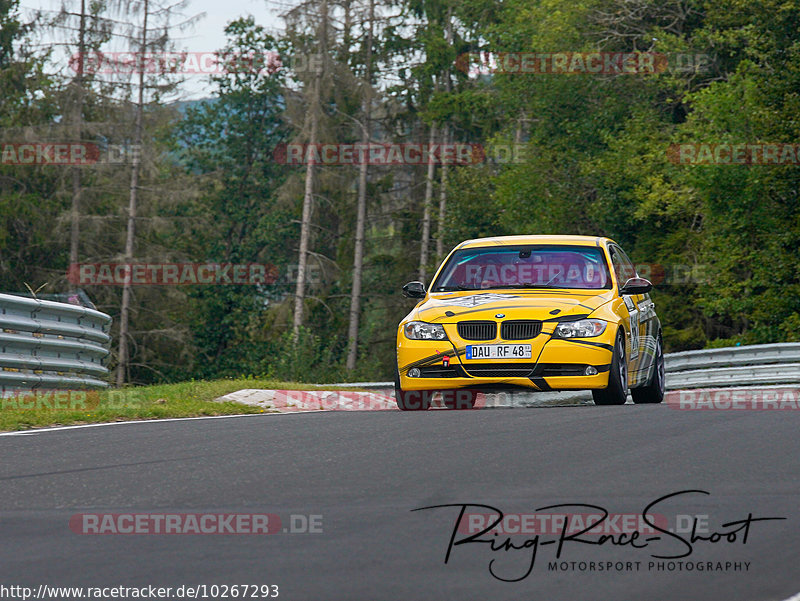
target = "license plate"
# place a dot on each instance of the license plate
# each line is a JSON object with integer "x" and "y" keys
{"x": 498, "y": 351}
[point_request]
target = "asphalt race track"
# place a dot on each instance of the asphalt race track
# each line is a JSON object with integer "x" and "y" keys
{"x": 364, "y": 473}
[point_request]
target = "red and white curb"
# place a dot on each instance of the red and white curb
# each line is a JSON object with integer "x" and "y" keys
{"x": 752, "y": 398}
{"x": 736, "y": 398}
{"x": 295, "y": 401}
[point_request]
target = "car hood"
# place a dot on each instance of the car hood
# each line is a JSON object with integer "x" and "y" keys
{"x": 452, "y": 307}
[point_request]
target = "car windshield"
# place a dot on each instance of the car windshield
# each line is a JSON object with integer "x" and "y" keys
{"x": 582, "y": 267}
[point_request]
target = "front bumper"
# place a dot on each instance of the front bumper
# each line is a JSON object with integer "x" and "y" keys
{"x": 555, "y": 365}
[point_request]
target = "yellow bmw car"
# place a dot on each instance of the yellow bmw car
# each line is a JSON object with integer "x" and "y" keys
{"x": 531, "y": 312}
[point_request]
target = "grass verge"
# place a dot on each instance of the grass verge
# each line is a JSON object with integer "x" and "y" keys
{"x": 186, "y": 399}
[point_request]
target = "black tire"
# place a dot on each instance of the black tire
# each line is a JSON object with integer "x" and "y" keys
{"x": 411, "y": 400}
{"x": 653, "y": 391}
{"x": 459, "y": 398}
{"x": 617, "y": 391}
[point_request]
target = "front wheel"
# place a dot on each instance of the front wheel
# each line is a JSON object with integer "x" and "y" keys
{"x": 616, "y": 393}
{"x": 410, "y": 400}
{"x": 653, "y": 391}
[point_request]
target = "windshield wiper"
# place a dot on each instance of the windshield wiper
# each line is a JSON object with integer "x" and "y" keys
{"x": 520, "y": 286}
{"x": 550, "y": 281}
{"x": 453, "y": 288}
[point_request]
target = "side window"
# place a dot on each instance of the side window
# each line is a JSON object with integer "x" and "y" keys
{"x": 623, "y": 267}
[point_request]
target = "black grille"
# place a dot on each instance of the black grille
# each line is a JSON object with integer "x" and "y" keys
{"x": 440, "y": 371}
{"x": 500, "y": 370}
{"x": 550, "y": 370}
{"x": 477, "y": 330}
{"x": 567, "y": 369}
{"x": 523, "y": 329}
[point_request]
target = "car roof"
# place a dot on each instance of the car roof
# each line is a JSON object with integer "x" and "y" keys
{"x": 515, "y": 240}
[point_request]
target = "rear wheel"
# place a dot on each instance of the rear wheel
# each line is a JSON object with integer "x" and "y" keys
{"x": 616, "y": 393}
{"x": 653, "y": 391}
{"x": 411, "y": 400}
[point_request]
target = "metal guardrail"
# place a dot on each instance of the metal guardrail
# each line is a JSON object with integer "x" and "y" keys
{"x": 734, "y": 366}
{"x": 50, "y": 345}
{"x": 759, "y": 364}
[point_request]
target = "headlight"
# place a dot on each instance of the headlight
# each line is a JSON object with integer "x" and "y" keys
{"x": 585, "y": 328}
{"x": 419, "y": 330}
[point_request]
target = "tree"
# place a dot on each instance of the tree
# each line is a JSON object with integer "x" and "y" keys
{"x": 314, "y": 93}
{"x": 361, "y": 211}
{"x": 149, "y": 37}
{"x": 227, "y": 144}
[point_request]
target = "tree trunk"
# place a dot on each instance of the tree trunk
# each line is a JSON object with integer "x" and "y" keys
{"x": 308, "y": 194}
{"x": 75, "y": 210}
{"x": 445, "y": 135}
{"x": 361, "y": 210}
{"x": 426, "y": 213}
{"x": 442, "y": 205}
{"x": 124, "y": 359}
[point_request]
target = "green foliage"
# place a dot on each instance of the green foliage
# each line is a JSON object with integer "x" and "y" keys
{"x": 307, "y": 358}
{"x": 720, "y": 241}
{"x": 598, "y": 154}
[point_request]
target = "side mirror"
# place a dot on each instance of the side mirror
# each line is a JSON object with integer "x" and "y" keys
{"x": 636, "y": 286}
{"x": 414, "y": 290}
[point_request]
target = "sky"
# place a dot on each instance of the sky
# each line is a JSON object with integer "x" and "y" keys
{"x": 208, "y": 34}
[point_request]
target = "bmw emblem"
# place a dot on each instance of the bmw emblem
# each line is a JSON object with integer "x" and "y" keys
{"x": 499, "y": 315}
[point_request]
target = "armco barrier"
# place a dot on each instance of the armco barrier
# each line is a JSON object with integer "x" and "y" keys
{"x": 734, "y": 366}
{"x": 760, "y": 364}
{"x": 50, "y": 345}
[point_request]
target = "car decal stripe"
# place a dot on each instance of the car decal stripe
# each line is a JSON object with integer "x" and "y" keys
{"x": 433, "y": 359}
{"x": 567, "y": 317}
{"x": 488, "y": 307}
{"x": 459, "y": 352}
{"x": 528, "y": 292}
{"x": 603, "y": 345}
{"x": 478, "y": 310}
{"x": 540, "y": 383}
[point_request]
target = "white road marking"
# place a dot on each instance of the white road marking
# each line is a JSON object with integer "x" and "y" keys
{"x": 146, "y": 421}
{"x": 793, "y": 598}
{"x": 492, "y": 401}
